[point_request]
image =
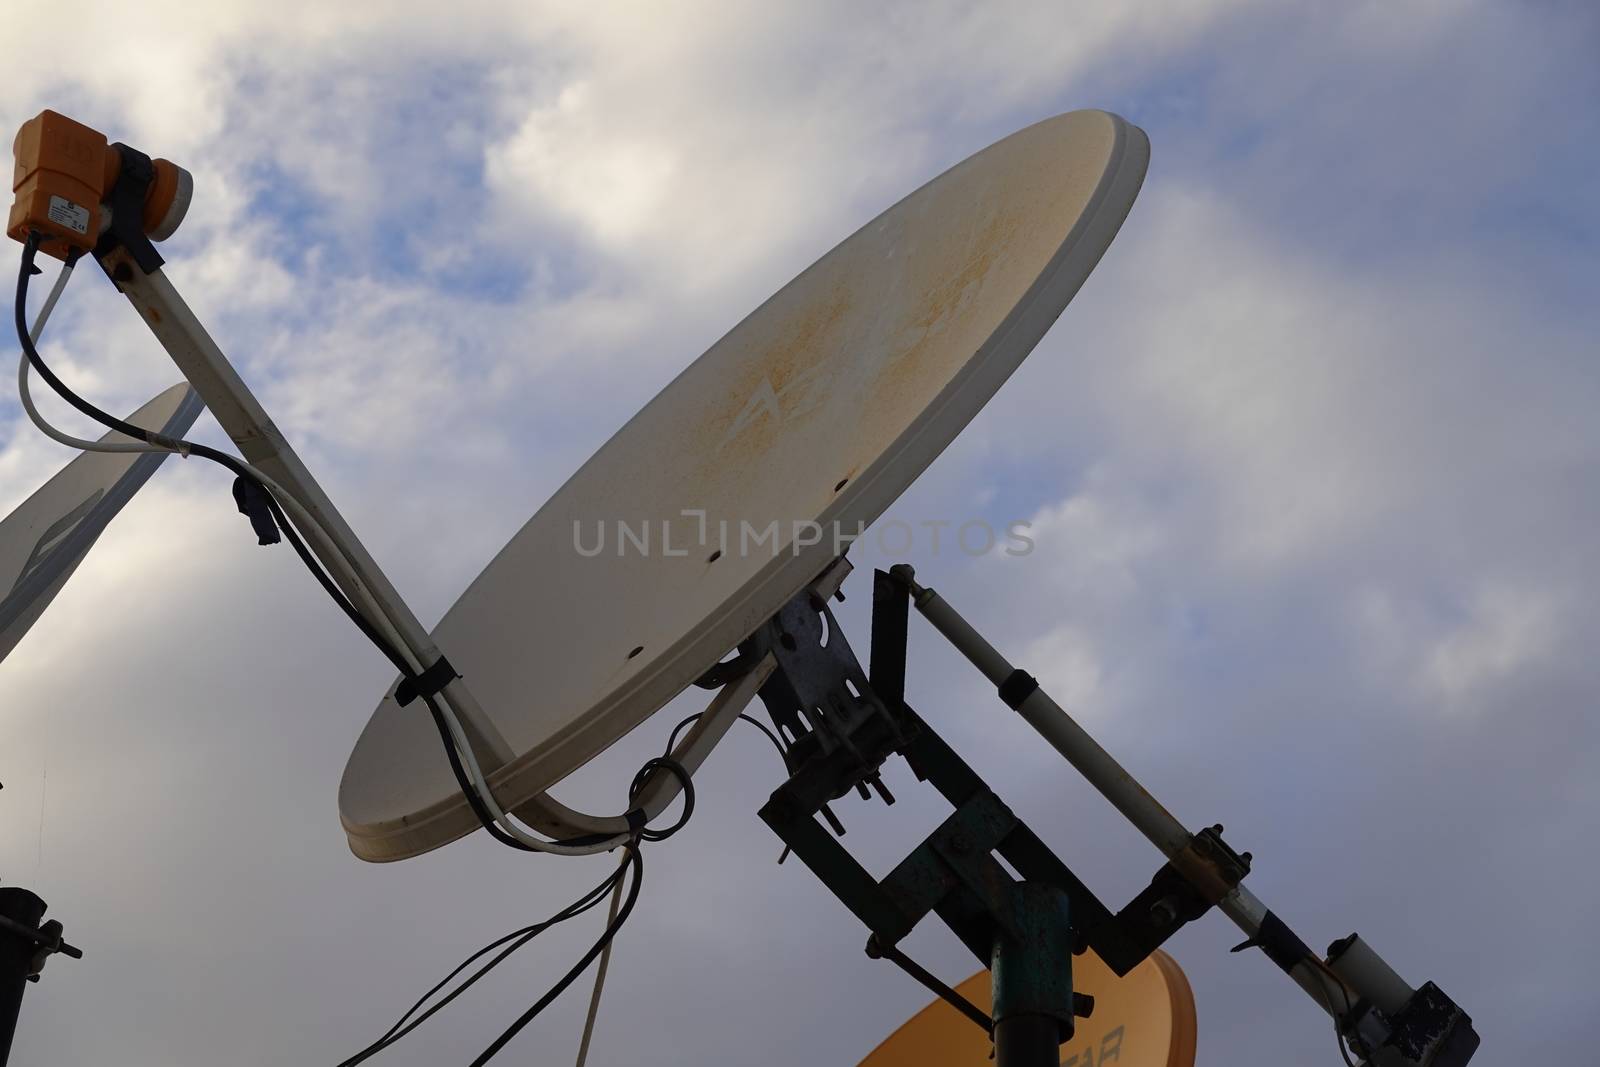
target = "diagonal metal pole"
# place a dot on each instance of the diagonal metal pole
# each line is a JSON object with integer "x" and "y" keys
{"x": 1260, "y": 924}
{"x": 600, "y": 973}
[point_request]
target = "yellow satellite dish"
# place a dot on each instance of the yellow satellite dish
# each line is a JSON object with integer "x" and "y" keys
{"x": 1143, "y": 1019}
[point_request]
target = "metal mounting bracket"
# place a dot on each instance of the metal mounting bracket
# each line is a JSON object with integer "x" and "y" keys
{"x": 844, "y": 724}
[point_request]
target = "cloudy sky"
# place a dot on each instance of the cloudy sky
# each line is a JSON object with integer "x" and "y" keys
{"x": 1310, "y": 464}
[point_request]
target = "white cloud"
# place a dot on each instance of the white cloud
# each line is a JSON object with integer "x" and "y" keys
{"x": 1457, "y": 656}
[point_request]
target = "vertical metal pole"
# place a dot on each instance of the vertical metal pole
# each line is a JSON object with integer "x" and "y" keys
{"x": 1031, "y": 973}
{"x": 1026, "y": 1041}
{"x": 16, "y": 958}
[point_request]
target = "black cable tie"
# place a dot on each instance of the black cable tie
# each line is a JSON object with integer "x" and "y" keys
{"x": 253, "y": 502}
{"x": 426, "y": 684}
{"x": 720, "y": 674}
{"x": 1018, "y": 686}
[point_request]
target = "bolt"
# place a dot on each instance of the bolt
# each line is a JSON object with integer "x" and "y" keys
{"x": 882, "y": 790}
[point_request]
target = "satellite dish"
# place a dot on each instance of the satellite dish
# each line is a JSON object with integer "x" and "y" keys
{"x": 1143, "y": 1019}
{"x": 722, "y": 498}
{"x": 46, "y": 537}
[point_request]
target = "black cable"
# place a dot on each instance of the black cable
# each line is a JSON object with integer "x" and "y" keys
{"x": 29, "y": 253}
{"x": 521, "y": 937}
{"x": 582, "y": 965}
{"x": 672, "y": 738}
{"x": 634, "y": 859}
{"x": 30, "y": 250}
{"x": 184, "y": 447}
{"x": 637, "y": 862}
{"x": 403, "y": 1027}
{"x": 687, "y": 783}
{"x": 367, "y": 629}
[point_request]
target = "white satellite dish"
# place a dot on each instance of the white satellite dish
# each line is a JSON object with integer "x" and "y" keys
{"x": 46, "y": 537}
{"x": 819, "y": 408}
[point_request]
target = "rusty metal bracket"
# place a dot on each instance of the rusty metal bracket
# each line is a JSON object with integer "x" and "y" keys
{"x": 1210, "y": 865}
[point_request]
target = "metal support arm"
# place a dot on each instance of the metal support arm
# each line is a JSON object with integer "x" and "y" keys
{"x": 845, "y": 723}
{"x": 1424, "y": 1027}
{"x": 352, "y": 567}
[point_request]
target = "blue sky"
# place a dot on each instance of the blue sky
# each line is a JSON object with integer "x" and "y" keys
{"x": 1309, "y": 461}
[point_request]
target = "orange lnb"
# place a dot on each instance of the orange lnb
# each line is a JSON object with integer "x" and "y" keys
{"x": 64, "y": 172}
{"x": 63, "y": 169}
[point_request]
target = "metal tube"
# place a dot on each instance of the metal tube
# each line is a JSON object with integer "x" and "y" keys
{"x": 262, "y": 444}
{"x": 1027, "y": 1041}
{"x": 1353, "y": 960}
{"x": 1252, "y": 916}
{"x": 1060, "y": 730}
{"x": 246, "y": 422}
{"x": 1130, "y": 798}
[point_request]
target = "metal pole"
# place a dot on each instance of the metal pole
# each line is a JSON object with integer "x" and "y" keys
{"x": 261, "y": 443}
{"x": 1031, "y": 972}
{"x": 1052, "y": 722}
{"x": 25, "y": 909}
{"x": 1026, "y": 1041}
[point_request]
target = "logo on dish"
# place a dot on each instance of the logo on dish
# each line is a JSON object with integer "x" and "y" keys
{"x": 803, "y": 391}
{"x": 1107, "y": 1050}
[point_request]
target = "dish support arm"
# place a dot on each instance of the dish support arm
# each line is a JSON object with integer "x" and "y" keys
{"x": 335, "y": 544}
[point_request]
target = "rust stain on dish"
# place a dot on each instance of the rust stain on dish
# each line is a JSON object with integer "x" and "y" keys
{"x": 941, "y": 309}
{"x": 770, "y": 391}
{"x": 794, "y": 374}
